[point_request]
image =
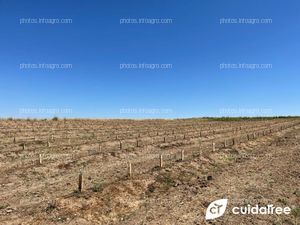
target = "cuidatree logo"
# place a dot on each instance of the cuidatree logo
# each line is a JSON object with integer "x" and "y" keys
{"x": 216, "y": 209}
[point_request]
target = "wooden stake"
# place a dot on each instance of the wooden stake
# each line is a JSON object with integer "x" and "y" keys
{"x": 182, "y": 155}
{"x": 80, "y": 182}
{"x": 120, "y": 144}
{"x": 161, "y": 160}
{"x": 40, "y": 159}
{"x": 129, "y": 169}
{"x": 213, "y": 146}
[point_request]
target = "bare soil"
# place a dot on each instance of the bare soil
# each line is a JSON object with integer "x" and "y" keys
{"x": 262, "y": 170}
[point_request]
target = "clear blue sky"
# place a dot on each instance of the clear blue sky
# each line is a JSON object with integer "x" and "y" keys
{"x": 195, "y": 44}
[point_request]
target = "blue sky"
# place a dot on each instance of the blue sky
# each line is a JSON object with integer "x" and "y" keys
{"x": 194, "y": 44}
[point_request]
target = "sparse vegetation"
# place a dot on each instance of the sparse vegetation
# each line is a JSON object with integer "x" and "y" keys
{"x": 166, "y": 181}
{"x": 3, "y": 206}
{"x": 89, "y": 144}
{"x": 97, "y": 187}
{"x": 296, "y": 212}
